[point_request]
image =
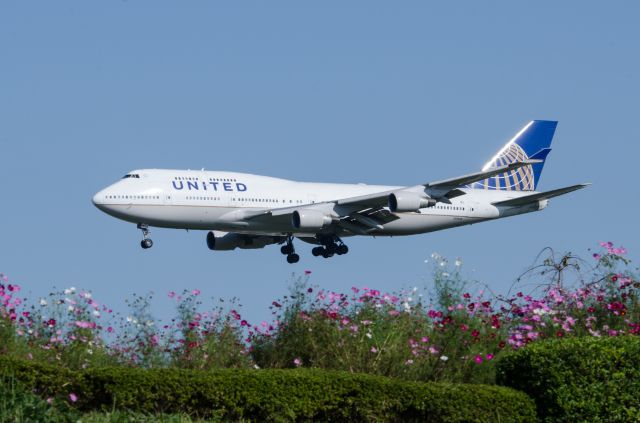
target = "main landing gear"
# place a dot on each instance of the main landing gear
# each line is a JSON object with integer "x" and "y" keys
{"x": 330, "y": 245}
{"x": 289, "y": 251}
{"x": 146, "y": 243}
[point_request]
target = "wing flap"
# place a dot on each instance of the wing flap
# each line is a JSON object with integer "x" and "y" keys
{"x": 521, "y": 201}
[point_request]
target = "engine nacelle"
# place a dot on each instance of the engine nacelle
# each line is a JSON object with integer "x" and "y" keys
{"x": 405, "y": 201}
{"x": 225, "y": 241}
{"x": 309, "y": 219}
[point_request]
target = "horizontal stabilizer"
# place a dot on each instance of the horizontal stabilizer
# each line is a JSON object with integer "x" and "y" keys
{"x": 527, "y": 199}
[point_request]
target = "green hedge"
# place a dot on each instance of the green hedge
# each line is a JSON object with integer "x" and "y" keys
{"x": 578, "y": 379}
{"x": 281, "y": 395}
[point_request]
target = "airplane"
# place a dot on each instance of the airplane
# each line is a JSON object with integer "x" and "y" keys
{"x": 248, "y": 211}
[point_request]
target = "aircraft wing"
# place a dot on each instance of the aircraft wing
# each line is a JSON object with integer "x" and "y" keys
{"x": 369, "y": 204}
{"x": 436, "y": 190}
{"x": 521, "y": 201}
{"x": 441, "y": 188}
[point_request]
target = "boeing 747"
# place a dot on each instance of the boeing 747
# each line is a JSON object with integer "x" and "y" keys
{"x": 241, "y": 210}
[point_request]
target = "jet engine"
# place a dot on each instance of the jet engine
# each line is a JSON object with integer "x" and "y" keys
{"x": 226, "y": 241}
{"x": 405, "y": 201}
{"x": 309, "y": 219}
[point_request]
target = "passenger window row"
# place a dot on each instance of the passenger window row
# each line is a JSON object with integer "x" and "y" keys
{"x": 133, "y": 197}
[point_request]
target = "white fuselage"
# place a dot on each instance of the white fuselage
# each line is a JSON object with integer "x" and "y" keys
{"x": 211, "y": 200}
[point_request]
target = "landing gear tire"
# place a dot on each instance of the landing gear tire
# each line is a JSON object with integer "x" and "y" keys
{"x": 286, "y": 249}
{"x": 342, "y": 249}
{"x": 327, "y": 254}
{"x": 146, "y": 243}
{"x": 293, "y": 258}
{"x": 317, "y": 251}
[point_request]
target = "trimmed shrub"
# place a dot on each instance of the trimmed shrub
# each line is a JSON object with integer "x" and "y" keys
{"x": 275, "y": 395}
{"x": 579, "y": 379}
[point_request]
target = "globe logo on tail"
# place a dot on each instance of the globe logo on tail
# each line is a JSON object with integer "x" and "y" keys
{"x": 521, "y": 179}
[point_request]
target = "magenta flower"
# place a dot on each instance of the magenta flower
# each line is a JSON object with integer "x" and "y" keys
{"x": 297, "y": 362}
{"x": 478, "y": 359}
{"x": 171, "y": 294}
{"x": 195, "y": 292}
{"x": 73, "y": 397}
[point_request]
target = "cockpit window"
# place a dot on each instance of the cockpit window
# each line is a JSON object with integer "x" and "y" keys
{"x": 131, "y": 175}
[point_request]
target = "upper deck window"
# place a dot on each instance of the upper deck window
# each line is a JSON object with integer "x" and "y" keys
{"x": 131, "y": 175}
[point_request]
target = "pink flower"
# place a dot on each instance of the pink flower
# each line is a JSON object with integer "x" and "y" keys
{"x": 195, "y": 292}
{"x": 489, "y": 357}
{"x": 85, "y": 325}
{"x": 374, "y": 350}
{"x": 478, "y": 359}
{"x": 73, "y": 397}
{"x": 297, "y": 362}
{"x": 50, "y": 400}
{"x": 171, "y": 294}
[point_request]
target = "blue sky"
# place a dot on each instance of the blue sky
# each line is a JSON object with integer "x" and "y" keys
{"x": 375, "y": 92}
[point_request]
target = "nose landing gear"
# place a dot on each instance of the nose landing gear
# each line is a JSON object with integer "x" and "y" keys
{"x": 146, "y": 243}
{"x": 290, "y": 251}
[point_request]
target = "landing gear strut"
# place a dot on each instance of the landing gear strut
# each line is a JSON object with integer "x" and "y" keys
{"x": 331, "y": 245}
{"x": 289, "y": 251}
{"x": 146, "y": 243}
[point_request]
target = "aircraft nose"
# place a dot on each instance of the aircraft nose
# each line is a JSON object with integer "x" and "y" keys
{"x": 98, "y": 199}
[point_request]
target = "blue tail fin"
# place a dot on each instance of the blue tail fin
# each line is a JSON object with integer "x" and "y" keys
{"x": 532, "y": 142}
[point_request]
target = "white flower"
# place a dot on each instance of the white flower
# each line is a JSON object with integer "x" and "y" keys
{"x": 43, "y": 302}
{"x": 444, "y": 358}
{"x": 445, "y": 274}
{"x": 369, "y": 335}
{"x": 406, "y": 306}
{"x": 255, "y": 366}
{"x": 458, "y": 262}
{"x": 89, "y": 351}
{"x": 70, "y": 290}
{"x": 150, "y": 323}
{"x": 129, "y": 319}
{"x": 87, "y": 295}
{"x": 96, "y": 313}
{"x": 70, "y": 308}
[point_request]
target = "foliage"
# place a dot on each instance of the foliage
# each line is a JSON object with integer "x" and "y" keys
{"x": 283, "y": 395}
{"x": 453, "y": 332}
{"x": 457, "y": 334}
{"x": 579, "y": 379}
